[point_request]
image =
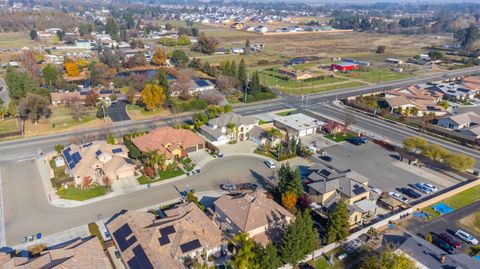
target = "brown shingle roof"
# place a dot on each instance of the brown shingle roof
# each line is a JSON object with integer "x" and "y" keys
{"x": 165, "y": 139}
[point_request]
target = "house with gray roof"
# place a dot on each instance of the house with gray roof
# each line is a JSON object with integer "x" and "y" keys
{"x": 426, "y": 255}
{"x": 467, "y": 123}
{"x": 327, "y": 185}
{"x": 298, "y": 125}
{"x": 229, "y": 127}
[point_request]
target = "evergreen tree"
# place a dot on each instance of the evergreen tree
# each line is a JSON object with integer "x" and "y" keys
{"x": 338, "y": 225}
{"x": 299, "y": 239}
{"x": 50, "y": 75}
{"x": 111, "y": 28}
{"x": 232, "y": 71}
{"x": 254, "y": 83}
{"x": 242, "y": 74}
{"x": 267, "y": 257}
{"x": 245, "y": 257}
{"x": 289, "y": 180}
{"x": 247, "y": 46}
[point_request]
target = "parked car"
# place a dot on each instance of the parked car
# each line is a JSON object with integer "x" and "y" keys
{"x": 228, "y": 187}
{"x": 357, "y": 141}
{"x": 430, "y": 186}
{"x": 466, "y": 237}
{"x": 377, "y": 191}
{"x": 422, "y": 188}
{"x": 450, "y": 240}
{"x": 270, "y": 164}
{"x": 398, "y": 196}
{"x": 325, "y": 158}
{"x": 410, "y": 193}
{"x": 443, "y": 245}
{"x": 247, "y": 186}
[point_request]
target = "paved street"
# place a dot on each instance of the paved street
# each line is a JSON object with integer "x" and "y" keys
{"x": 28, "y": 211}
{"x": 443, "y": 224}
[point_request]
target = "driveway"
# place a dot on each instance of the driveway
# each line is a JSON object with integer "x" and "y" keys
{"x": 27, "y": 210}
{"x": 240, "y": 148}
{"x": 4, "y": 92}
{"x": 117, "y": 111}
{"x": 201, "y": 157}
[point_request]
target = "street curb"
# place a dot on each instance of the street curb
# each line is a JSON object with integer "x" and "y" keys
{"x": 3, "y": 236}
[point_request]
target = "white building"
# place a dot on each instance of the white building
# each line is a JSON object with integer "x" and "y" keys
{"x": 298, "y": 125}
{"x": 218, "y": 132}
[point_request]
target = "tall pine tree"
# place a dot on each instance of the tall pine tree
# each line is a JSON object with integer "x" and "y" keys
{"x": 242, "y": 74}
{"x": 267, "y": 257}
{"x": 338, "y": 225}
{"x": 289, "y": 180}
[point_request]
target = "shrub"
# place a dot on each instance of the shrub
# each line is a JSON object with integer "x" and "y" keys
{"x": 149, "y": 171}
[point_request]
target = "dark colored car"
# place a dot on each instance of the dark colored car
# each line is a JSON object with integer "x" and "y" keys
{"x": 410, "y": 193}
{"x": 305, "y": 265}
{"x": 443, "y": 245}
{"x": 450, "y": 240}
{"x": 247, "y": 186}
{"x": 326, "y": 158}
{"x": 357, "y": 141}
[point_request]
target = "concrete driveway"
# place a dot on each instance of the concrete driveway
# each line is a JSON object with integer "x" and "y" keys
{"x": 201, "y": 157}
{"x": 27, "y": 210}
{"x": 117, "y": 111}
{"x": 240, "y": 148}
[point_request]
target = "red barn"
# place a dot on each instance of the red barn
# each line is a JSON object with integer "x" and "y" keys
{"x": 344, "y": 67}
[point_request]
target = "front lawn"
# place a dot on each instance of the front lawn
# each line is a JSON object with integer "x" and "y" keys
{"x": 457, "y": 201}
{"x": 169, "y": 173}
{"x": 73, "y": 193}
{"x": 339, "y": 137}
{"x": 268, "y": 154}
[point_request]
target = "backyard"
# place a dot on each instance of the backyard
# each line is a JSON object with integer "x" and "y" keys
{"x": 457, "y": 201}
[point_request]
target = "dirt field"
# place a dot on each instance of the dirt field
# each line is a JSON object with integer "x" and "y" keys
{"x": 471, "y": 223}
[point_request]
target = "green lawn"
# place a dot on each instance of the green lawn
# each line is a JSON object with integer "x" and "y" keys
{"x": 73, "y": 193}
{"x": 285, "y": 113}
{"x": 266, "y": 154}
{"x": 145, "y": 112}
{"x": 7, "y": 126}
{"x": 339, "y": 137}
{"x": 58, "y": 171}
{"x": 62, "y": 117}
{"x": 14, "y": 40}
{"x": 170, "y": 173}
{"x": 457, "y": 201}
{"x": 322, "y": 263}
{"x": 375, "y": 75}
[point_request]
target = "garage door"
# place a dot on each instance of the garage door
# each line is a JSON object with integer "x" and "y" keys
{"x": 310, "y": 131}
{"x": 302, "y": 133}
{"x": 200, "y": 146}
{"x": 191, "y": 149}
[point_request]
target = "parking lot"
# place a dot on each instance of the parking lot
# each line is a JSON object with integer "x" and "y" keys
{"x": 381, "y": 166}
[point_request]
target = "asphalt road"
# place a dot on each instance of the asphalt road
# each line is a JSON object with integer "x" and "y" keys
{"x": 444, "y": 224}
{"x": 27, "y": 210}
{"x": 394, "y": 132}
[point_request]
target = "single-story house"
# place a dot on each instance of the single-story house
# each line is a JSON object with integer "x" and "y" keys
{"x": 260, "y": 137}
{"x": 173, "y": 143}
{"x": 196, "y": 87}
{"x": 167, "y": 243}
{"x": 294, "y": 74}
{"x": 423, "y": 106}
{"x": 252, "y": 213}
{"x": 98, "y": 160}
{"x": 216, "y": 130}
{"x": 298, "y": 124}
{"x": 467, "y": 123}
{"x": 453, "y": 91}
{"x": 59, "y": 98}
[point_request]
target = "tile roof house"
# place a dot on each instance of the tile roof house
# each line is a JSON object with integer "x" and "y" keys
{"x": 326, "y": 186}
{"x": 260, "y": 137}
{"x": 426, "y": 255}
{"x": 59, "y": 98}
{"x": 146, "y": 242}
{"x": 252, "y": 213}
{"x": 174, "y": 143}
{"x": 97, "y": 160}
{"x": 415, "y": 92}
{"x": 423, "y": 99}
{"x": 467, "y": 123}
{"x": 217, "y": 131}
{"x": 79, "y": 254}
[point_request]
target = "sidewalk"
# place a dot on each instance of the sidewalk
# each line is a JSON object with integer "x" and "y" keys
{"x": 3, "y": 240}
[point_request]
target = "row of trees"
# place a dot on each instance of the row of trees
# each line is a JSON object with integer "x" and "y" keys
{"x": 455, "y": 161}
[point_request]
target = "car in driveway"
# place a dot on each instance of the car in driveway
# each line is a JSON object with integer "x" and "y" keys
{"x": 410, "y": 193}
{"x": 247, "y": 186}
{"x": 422, "y": 188}
{"x": 398, "y": 196}
{"x": 325, "y": 158}
{"x": 443, "y": 245}
{"x": 450, "y": 240}
{"x": 466, "y": 237}
{"x": 228, "y": 187}
{"x": 270, "y": 164}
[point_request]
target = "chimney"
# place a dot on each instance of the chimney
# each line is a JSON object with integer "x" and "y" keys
{"x": 442, "y": 259}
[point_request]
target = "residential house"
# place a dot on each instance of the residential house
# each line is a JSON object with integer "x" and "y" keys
{"x": 237, "y": 26}
{"x": 83, "y": 44}
{"x": 415, "y": 92}
{"x": 98, "y": 160}
{"x": 173, "y": 143}
{"x": 260, "y": 137}
{"x": 221, "y": 51}
{"x": 217, "y": 131}
{"x": 261, "y": 29}
{"x": 78, "y": 253}
{"x": 467, "y": 123}
{"x": 426, "y": 255}
{"x": 394, "y": 61}
{"x": 423, "y": 106}
{"x": 60, "y": 98}
{"x": 294, "y": 74}
{"x": 453, "y": 91}
{"x": 195, "y": 87}
{"x": 252, "y": 213}
{"x": 298, "y": 125}
{"x": 326, "y": 186}
{"x": 167, "y": 243}
{"x": 237, "y": 50}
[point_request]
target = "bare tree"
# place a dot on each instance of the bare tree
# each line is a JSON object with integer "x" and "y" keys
{"x": 226, "y": 83}
{"x": 349, "y": 119}
{"x": 77, "y": 108}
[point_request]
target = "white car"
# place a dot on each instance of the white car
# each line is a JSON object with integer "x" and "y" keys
{"x": 466, "y": 237}
{"x": 377, "y": 191}
{"x": 270, "y": 164}
{"x": 430, "y": 186}
{"x": 398, "y": 196}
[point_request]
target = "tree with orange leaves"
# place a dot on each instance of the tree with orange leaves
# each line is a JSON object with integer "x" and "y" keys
{"x": 159, "y": 57}
{"x": 72, "y": 69}
{"x": 289, "y": 200}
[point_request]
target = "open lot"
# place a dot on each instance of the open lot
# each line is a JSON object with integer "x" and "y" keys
{"x": 382, "y": 166}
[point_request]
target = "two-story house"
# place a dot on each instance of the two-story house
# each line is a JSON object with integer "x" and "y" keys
{"x": 229, "y": 127}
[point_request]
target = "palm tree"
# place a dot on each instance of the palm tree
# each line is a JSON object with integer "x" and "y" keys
{"x": 155, "y": 160}
{"x": 273, "y": 133}
{"x": 232, "y": 129}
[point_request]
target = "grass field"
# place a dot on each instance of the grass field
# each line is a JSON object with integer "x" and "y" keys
{"x": 73, "y": 193}
{"x": 14, "y": 40}
{"x": 10, "y": 125}
{"x": 377, "y": 75}
{"x": 457, "y": 201}
{"x": 339, "y": 137}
